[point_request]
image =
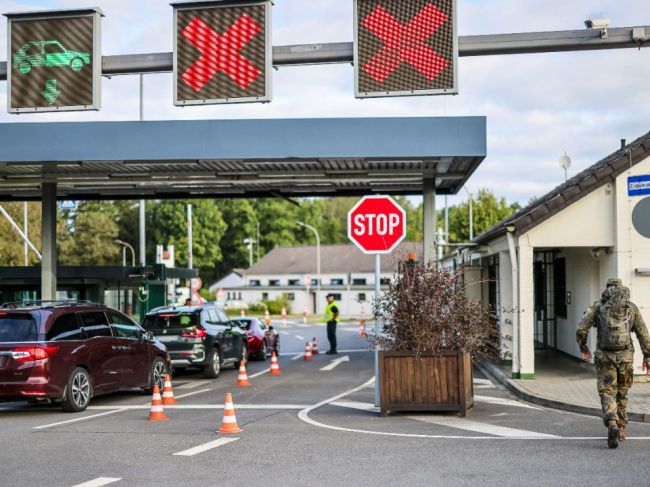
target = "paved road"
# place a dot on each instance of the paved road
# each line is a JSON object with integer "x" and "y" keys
{"x": 310, "y": 427}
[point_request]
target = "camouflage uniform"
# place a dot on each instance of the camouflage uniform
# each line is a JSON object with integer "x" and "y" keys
{"x": 614, "y": 369}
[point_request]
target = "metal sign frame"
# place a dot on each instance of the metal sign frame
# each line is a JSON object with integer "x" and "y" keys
{"x": 268, "y": 54}
{"x": 380, "y": 94}
{"x": 96, "y": 57}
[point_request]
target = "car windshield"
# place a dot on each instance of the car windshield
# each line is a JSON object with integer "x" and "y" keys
{"x": 243, "y": 324}
{"x": 171, "y": 320}
{"x": 17, "y": 327}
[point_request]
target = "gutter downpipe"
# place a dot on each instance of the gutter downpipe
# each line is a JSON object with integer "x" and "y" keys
{"x": 515, "y": 304}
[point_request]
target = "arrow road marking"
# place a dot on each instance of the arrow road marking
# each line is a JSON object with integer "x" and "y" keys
{"x": 334, "y": 363}
{"x": 51, "y": 93}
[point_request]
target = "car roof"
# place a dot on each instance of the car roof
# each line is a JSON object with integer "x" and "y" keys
{"x": 52, "y": 305}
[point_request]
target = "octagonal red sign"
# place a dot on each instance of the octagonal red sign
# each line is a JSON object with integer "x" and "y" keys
{"x": 376, "y": 224}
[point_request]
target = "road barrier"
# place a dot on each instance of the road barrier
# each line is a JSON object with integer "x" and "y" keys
{"x": 275, "y": 367}
{"x": 362, "y": 329}
{"x": 308, "y": 357}
{"x": 168, "y": 394}
{"x": 314, "y": 347}
{"x": 156, "y": 413}
{"x": 229, "y": 422}
{"x": 242, "y": 378}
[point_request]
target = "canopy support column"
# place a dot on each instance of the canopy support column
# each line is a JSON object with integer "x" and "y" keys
{"x": 429, "y": 190}
{"x": 48, "y": 242}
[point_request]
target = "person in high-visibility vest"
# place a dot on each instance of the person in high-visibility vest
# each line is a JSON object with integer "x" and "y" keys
{"x": 331, "y": 315}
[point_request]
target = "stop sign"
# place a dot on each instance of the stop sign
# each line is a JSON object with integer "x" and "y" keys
{"x": 376, "y": 224}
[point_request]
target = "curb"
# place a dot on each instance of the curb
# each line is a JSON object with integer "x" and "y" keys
{"x": 493, "y": 372}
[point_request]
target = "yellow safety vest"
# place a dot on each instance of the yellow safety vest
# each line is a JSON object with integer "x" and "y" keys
{"x": 329, "y": 314}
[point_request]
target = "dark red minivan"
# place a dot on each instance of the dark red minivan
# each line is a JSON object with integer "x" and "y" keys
{"x": 69, "y": 352}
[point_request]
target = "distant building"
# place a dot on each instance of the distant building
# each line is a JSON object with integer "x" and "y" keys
{"x": 346, "y": 272}
{"x": 567, "y": 244}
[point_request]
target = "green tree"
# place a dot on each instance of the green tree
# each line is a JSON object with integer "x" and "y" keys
{"x": 11, "y": 245}
{"x": 241, "y": 223}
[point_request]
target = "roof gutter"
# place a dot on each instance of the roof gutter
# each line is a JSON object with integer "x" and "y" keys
{"x": 516, "y": 366}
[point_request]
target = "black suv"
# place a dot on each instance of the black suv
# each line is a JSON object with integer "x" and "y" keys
{"x": 198, "y": 336}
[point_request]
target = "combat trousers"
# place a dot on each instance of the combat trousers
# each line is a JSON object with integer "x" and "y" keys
{"x": 331, "y": 334}
{"x": 614, "y": 381}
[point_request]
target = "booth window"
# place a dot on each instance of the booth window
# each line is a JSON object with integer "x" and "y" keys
{"x": 560, "y": 288}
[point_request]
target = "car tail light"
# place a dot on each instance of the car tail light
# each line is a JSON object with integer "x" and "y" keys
{"x": 29, "y": 354}
{"x": 33, "y": 393}
{"x": 199, "y": 333}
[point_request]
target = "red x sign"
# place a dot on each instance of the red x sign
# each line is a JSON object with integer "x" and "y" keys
{"x": 405, "y": 43}
{"x": 221, "y": 52}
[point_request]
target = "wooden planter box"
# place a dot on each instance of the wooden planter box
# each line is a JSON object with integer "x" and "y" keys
{"x": 428, "y": 382}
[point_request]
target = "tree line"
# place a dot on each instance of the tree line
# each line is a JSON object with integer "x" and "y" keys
{"x": 87, "y": 235}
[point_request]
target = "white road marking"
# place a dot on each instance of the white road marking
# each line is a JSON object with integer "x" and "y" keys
{"x": 483, "y": 382}
{"x": 504, "y": 402}
{"x": 193, "y": 385}
{"x": 192, "y": 393}
{"x": 335, "y": 363}
{"x": 257, "y": 374}
{"x": 207, "y": 407}
{"x": 356, "y": 350}
{"x": 205, "y": 447}
{"x": 299, "y": 337}
{"x": 115, "y": 409}
{"x": 98, "y": 482}
{"x": 475, "y": 426}
{"x": 362, "y": 406}
{"x": 285, "y": 333}
{"x": 297, "y": 356}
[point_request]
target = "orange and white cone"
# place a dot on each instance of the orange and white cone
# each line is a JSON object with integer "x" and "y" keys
{"x": 275, "y": 367}
{"x": 242, "y": 378}
{"x": 362, "y": 329}
{"x": 314, "y": 347}
{"x": 168, "y": 394}
{"x": 157, "y": 413}
{"x": 307, "y": 353}
{"x": 229, "y": 422}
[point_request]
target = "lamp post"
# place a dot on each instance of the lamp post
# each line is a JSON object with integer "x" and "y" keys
{"x": 471, "y": 215}
{"x": 249, "y": 244}
{"x": 126, "y": 245}
{"x": 565, "y": 163}
{"x": 313, "y": 229}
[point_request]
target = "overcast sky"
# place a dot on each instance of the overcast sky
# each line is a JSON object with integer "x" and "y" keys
{"x": 537, "y": 105}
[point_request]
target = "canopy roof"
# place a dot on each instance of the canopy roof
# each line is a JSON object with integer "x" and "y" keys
{"x": 239, "y": 158}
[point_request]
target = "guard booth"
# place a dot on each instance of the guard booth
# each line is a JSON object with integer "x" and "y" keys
{"x": 127, "y": 289}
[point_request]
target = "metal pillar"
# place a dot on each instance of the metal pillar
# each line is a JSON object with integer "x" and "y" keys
{"x": 143, "y": 240}
{"x": 429, "y": 190}
{"x": 26, "y": 231}
{"x": 377, "y": 326}
{"x": 190, "y": 250}
{"x": 48, "y": 242}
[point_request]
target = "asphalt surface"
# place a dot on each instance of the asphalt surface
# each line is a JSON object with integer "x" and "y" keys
{"x": 310, "y": 427}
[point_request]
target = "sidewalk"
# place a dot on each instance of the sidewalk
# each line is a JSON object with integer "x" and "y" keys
{"x": 562, "y": 382}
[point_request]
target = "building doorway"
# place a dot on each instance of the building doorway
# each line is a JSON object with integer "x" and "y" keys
{"x": 545, "y": 309}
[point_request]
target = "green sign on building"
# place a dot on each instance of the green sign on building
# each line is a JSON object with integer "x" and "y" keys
{"x": 54, "y": 61}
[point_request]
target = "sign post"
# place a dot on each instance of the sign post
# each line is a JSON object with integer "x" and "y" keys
{"x": 54, "y": 61}
{"x": 376, "y": 225}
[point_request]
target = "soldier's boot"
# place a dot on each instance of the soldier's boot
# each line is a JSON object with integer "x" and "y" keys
{"x": 621, "y": 432}
{"x": 612, "y": 434}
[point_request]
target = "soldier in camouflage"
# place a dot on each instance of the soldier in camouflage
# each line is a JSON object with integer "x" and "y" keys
{"x": 615, "y": 317}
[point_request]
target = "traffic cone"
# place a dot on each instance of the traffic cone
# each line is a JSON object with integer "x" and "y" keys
{"x": 275, "y": 367}
{"x": 314, "y": 347}
{"x": 362, "y": 329}
{"x": 304, "y": 317}
{"x": 157, "y": 413}
{"x": 168, "y": 393}
{"x": 242, "y": 378}
{"x": 229, "y": 422}
{"x": 241, "y": 313}
{"x": 307, "y": 353}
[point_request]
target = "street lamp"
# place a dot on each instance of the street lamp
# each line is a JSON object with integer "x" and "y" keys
{"x": 471, "y": 215}
{"x": 313, "y": 229}
{"x": 565, "y": 163}
{"x": 126, "y": 245}
{"x": 249, "y": 243}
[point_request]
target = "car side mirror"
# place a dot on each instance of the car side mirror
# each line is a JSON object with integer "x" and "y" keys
{"x": 147, "y": 335}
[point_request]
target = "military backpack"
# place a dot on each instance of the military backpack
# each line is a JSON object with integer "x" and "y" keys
{"x": 614, "y": 320}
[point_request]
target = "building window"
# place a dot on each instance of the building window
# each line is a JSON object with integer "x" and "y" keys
{"x": 228, "y": 298}
{"x": 254, "y": 283}
{"x": 359, "y": 282}
{"x": 493, "y": 282}
{"x": 336, "y": 296}
{"x": 265, "y": 296}
{"x": 274, "y": 282}
{"x": 336, "y": 282}
{"x": 560, "y": 288}
{"x": 384, "y": 281}
{"x": 314, "y": 282}
{"x": 291, "y": 296}
{"x": 361, "y": 297}
{"x": 294, "y": 282}
{"x": 240, "y": 296}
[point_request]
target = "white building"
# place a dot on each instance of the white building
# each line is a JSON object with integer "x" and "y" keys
{"x": 346, "y": 272}
{"x": 565, "y": 246}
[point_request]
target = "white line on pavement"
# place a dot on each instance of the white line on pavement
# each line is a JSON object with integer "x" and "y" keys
{"x": 98, "y": 482}
{"x": 192, "y": 393}
{"x": 476, "y": 427}
{"x": 356, "y": 350}
{"x": 193, "y": 385}
{"x": 205, "y": 447}
{"x": 299, "y": 337}
{"x": 207, "y": 406}
{"x": 504, "y": 402}
{"x": 362, "y": 406}
{"x": 297, "y": 356}
{"x": 257, "y": 374}
{"x": 114, "y": 410}
{"x": 285, "y": 333}
{"x": 483, "y": 382}
{"x": 335, "y": 363}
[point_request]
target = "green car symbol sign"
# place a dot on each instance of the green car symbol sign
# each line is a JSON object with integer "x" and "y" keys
{"x": 48, "y": 54}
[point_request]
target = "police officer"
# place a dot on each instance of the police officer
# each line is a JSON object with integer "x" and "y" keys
{"x": 331, "y": 315}
{"x": 615, "y": 318}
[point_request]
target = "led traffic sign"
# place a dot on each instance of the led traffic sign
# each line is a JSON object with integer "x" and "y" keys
{"x": 222, "y": 52}
{"x": 376, "y": 224}
{"x": 54, "y": 61}
{"x": 405, "y": 47}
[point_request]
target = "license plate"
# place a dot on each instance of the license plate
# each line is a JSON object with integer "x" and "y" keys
{"x": 167, "y": 338}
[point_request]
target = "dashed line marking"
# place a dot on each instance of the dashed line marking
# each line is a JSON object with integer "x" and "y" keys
{"x": 262, "y": 407}
{"x": 114, "y": 409}
{"x": 299, "y": 337}
{"x": 205, "y": 447}
{"x": 192, "y": 393}
{"x": 192, "y": 385}
{"x": 98, "y": 482}
{"x": 257, "y": 374}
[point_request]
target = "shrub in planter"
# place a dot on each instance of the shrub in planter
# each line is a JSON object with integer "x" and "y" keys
{"x": 431, "y": 331}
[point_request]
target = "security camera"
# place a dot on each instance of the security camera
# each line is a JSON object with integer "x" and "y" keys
{"x": 600, "y": 24}
{"x": 596, "y": 253}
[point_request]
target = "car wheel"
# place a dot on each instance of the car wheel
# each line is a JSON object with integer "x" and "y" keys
{"x": 77, "y": 64}
{"x": 78, "y": 391}
{"x": 25, "y": 67}
{"x": 263, "y": 352}
{"x": 213, "y": 368}
{"x": 157, "y": 375}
